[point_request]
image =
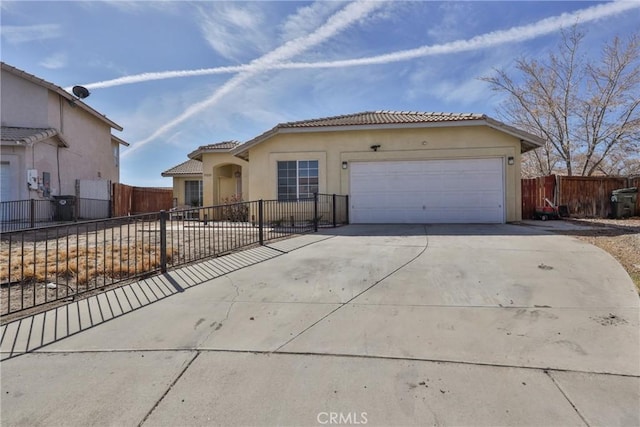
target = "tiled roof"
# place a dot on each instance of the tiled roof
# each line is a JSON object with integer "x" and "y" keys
{"x": 390, "y": 119}
{"x": 220, "y": 147}
{"x": 383, "y": 117}
{"x": 23, "y": 135}
{"x": 225, "y": 145}
{"x": 190, "y": 167}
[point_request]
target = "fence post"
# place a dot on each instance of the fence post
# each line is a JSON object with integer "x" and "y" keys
{"x": 164, "y": 215}
{"x": 315, "y": 212}
{"x": 260, "y": 222}
{"x": 32, "y": 213}
{"x": 333, "y": 208}
{"x": 346, "y": 208}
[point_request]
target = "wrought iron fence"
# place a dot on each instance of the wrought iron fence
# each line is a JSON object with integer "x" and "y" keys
{"x": 41, "y": 265}
{"x": 23, "y": 214}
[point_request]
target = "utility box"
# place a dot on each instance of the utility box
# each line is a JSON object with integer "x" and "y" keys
{"x": 64, "y": 208}
{"x": 623, "y": 202}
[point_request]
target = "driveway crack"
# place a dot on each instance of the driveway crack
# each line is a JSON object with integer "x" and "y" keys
{"x": 233, "y": 301}
{"x": 187, "y": 365}
{"x": 226, "y": 316}
{"x": 566, "y": 397}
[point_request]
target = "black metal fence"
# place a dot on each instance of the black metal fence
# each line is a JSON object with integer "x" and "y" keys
{"x": 23, "y": 214}
{"x": 41, "y": 265}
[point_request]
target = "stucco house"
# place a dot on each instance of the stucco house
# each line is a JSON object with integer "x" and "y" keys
{"x": 396, "y": 167}
{"x": 51, "y": 140}
{"x": 211, "y": 176}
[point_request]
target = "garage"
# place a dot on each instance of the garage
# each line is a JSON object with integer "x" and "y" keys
{"x": 428, "y": 191}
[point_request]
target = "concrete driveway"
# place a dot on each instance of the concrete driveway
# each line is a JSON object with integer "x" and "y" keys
{"x": 376, "y": 325}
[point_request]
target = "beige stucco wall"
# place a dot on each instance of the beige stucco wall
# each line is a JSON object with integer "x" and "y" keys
{"x": 332, "y": 148}
{"x": 218, "y": 177}
{"x": 90, "y": 154}
{"x": 23, "y": 103}
{"x": 91, "y": 151}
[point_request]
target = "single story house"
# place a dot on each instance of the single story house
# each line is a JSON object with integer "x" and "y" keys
{"x": 211, "y": 176}
{"x": 396, "y": 167}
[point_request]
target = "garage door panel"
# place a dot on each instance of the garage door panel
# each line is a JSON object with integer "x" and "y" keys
{"x": 434, "y": 191}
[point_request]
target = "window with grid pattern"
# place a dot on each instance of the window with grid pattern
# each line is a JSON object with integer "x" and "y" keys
{"x": 297, "y": 179}
{"x": 193, "y": 193}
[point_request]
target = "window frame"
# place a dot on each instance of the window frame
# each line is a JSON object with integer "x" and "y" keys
{"x": 189, "y": 193}
{"x": 303, "y": 172}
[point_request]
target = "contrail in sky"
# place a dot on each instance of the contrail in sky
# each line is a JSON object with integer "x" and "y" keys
{"x": 335, "y": 24}
{"x": 515, "y": 34}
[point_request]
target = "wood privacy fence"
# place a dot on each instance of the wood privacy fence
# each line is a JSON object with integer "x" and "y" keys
{"x": 128, "y": 200}
{"x": 534, "y": 191}
{"x": 584, "y": 196}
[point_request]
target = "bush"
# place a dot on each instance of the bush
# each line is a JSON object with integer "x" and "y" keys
{"x": 234, "y": 209}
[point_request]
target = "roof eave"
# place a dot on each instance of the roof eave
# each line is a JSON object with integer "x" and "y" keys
{"x": 41, "y": 136}
{"x": 195, "y": 155}
{"x": 528, "y": 141}
{"x": 120, "y": 141}
{"x": 242, "y": 150}
{"x": 182, "y": 174}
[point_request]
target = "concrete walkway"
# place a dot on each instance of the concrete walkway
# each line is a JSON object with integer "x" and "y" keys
{"x": 376, "y": 325}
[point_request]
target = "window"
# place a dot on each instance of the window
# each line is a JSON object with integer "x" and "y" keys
{"x": 116, "y": 154}
{"x": 297, "y": 179}
{"x": 193, "y": 193}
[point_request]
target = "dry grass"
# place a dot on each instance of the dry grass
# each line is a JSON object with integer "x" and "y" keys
{"x": 71, "y": 269}
{"x": 38, "y": 268}
{"x": 79, "y": 264}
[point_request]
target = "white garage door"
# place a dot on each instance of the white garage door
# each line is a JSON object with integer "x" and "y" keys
{"x": 432, "y": 191}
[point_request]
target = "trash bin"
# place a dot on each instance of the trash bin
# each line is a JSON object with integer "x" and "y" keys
{"x": 623, "y": 202}
{"x": 65, "y": 208}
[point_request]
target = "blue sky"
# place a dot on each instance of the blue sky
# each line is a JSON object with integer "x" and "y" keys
{"x": 177, "y": 75}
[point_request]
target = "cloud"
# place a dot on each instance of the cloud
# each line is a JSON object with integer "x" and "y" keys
{"x": 234, "y": 30}
{"x": 483, "y": 41}
{"x": 23, "y": 34}
{"x": 55, "y": 61}
{"x": 492, "y": 39}
{"x": 457, "y": 17}
{"x": 334, "y": 25}
{"x": 312, "y": 16}
{"x": 137, "y": 6}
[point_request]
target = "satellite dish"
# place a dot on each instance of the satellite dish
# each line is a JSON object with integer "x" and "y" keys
{"x": 81, "y": 92}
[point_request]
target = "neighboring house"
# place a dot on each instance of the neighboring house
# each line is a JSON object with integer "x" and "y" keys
{"x": 212, "y": 176}
{"x": 187, "y": 183}
{"x": 396, "y": 167}
{"x": 51, "y": 140}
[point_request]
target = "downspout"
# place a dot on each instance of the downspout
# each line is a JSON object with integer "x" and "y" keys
{"x": 61, "y": 104}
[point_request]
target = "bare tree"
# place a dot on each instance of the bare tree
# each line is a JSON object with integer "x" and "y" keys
{"x": 587, "y": 111}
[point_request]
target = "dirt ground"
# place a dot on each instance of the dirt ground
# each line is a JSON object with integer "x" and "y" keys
{"x": 621, "y": 238}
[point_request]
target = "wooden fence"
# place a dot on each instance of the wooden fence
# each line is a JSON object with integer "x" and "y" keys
{"x": 534, "y": 191}
{"x": 583, "y": 196}
{"x": 128, "y": 200}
